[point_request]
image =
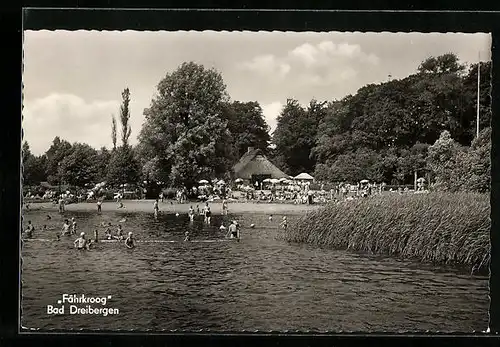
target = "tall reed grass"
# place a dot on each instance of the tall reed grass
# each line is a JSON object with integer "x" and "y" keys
{"x": 440, "y": 228}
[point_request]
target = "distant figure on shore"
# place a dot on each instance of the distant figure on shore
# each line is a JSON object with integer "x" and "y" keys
{"x": 284, "y": 223}
{"x": 99, "y": 203}
{"x": 129, "y": 242}
{"x": 191, "y": 214}
{"x": 156, "y": 209}
{"x": 225, "y": 208}
{"x": 61, "y": 205}
{"x": 207, "y": 213}
{"x": 65, "y": 228}
{"x": 81, "y": 243}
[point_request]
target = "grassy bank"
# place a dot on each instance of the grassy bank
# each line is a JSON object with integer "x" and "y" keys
{"x": 436, "y": 227}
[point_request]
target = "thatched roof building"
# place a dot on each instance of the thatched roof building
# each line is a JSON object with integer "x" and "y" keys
{"x": 254, "y": 166}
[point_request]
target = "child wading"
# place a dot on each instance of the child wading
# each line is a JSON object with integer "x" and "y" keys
{"x": 284, "y": 223}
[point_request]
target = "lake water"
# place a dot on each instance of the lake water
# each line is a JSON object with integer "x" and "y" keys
{"x": 260, "y": 283}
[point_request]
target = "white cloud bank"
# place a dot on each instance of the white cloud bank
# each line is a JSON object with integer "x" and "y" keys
{"x": 69, "y": 117}
{"x": 271, "y": 112}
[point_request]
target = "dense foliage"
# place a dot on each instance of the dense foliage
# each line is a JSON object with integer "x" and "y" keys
{"x": 423, "y": 124}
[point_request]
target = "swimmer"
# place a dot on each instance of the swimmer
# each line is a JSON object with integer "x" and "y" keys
{"x": 29, "y": 230}
{"x": 177, "y": 214}
{"x": 81, "y": 243}
{"x": 198, "y": 210}
{"x": 186, "y": 236}
{"x": 222, "y": 227}
{"x": 99, "y": 205}
{"x": 129, "y": 242}
{"x": 208, "y": 214}
{"x": 58, "y": 237}
{"x": 49, "y": 217}
{"x": 96, "y": 235}
{"x": 284, "y": 223}
{"x": 271, "y": 218}
{"x": 108, "y": 234}
{"x": 252, "y": 225}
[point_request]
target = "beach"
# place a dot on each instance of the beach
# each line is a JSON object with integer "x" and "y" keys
{"x": 174, "y": 207}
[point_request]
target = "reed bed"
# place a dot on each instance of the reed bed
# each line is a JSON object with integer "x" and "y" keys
{"x": 440, "y": 228}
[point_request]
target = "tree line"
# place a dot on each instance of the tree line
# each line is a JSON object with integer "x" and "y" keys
{"x": 385, "y": 133}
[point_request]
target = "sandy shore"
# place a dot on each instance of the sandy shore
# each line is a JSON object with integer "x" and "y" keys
{"x": 147, "y": 206}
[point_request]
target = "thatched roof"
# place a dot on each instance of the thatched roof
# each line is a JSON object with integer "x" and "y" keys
{"x": 254, "y": 162}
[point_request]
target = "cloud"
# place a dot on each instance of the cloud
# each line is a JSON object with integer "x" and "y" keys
{"x": 320, "y": 64}
{"x": 271, "y": 112}
{"x": 267, "y": 64}
{"x": 69, "y": 117}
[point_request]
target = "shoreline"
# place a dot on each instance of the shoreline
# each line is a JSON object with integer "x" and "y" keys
{"x": 139, "y": 206}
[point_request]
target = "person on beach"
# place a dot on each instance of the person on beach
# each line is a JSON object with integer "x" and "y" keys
{"x": 191, "y": 214}
{"x": 96, "y": 235}
{"x": 65, "y": 228}
{"x": 129, "y": 242}
{"x": 208, "y": 214}
{"x": 224, "y": 207}
{"x": 99, "y": 203}
{"x": 200, "y": 213}
{"x": 108, "y": 232}
{"x": 61, "y": 205}
{"x": 156, "y": 209}
{"x": 81, "y": 243}
{"x": 284, "y": 223}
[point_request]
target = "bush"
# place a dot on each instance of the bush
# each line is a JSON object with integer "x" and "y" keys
{"x": 448, "y": 228}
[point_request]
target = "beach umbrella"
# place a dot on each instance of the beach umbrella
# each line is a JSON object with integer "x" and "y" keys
{"x": 203, "y": 182}
{"x": 274, "y": 180}
{"x": 267, "y": 180}
{"x": 364, "y": 181}
{"x": 238, "y": 180}
{"x": 221, "y": 182}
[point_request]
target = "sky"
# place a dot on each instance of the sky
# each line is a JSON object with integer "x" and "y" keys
{"x": 72, "y": 80}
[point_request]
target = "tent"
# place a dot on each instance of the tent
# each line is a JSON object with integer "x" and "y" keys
{"x": 304, "y": 177}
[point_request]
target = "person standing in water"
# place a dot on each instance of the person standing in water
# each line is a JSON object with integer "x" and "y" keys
{"x": 129, "y": 242}
{"x": 232, "y": 231}
{"x": 96, "y": 235}
{"x": 186, "y": 236}
{"x": 73, "y": 226}
{"x": 284, "y": 223}
{"x": 65, "y": 228}
{"x": 119, "y": 232}
{"x": 99, "y": 203}
{"x": 81, "y": 243}
{"x": 156, "y": 209}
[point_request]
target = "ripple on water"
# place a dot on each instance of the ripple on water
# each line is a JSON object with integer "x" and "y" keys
{"x": 260, "y": 283}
